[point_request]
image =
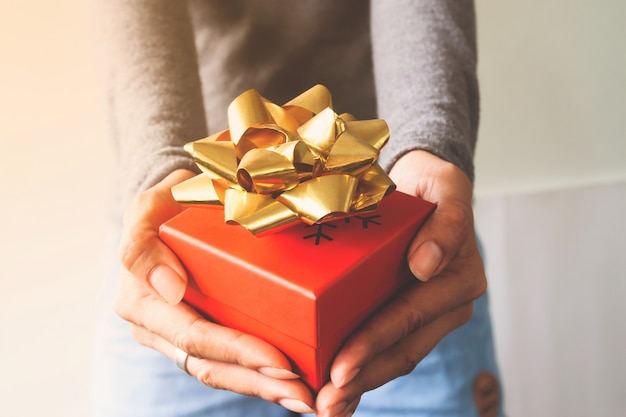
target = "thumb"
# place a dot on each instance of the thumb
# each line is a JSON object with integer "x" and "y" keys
{"x": 439, "y": 241}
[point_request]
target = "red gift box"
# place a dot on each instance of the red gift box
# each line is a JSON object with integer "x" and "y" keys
{"x": 303, "y": 289}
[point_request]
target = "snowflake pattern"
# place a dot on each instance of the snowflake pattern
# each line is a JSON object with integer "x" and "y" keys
{"x": 323, "y": 234}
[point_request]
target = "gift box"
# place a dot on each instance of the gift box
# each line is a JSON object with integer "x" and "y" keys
{"x": 334, "y": 231}
{"x": 303, "y": 289}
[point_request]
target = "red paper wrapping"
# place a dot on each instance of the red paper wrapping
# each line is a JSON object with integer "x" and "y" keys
{"x": 304, "y": 289}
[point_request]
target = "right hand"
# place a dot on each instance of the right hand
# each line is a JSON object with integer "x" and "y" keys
{"x": 151, "y": 288}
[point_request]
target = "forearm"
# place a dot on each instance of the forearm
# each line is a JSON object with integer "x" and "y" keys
{"x": 153, "y": 87}
{"x": 425, "y": 69}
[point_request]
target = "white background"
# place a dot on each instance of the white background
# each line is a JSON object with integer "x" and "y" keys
{"x": 551, "y": 198}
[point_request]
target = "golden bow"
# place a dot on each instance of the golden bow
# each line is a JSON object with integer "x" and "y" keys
{"x": 277, "y": 164}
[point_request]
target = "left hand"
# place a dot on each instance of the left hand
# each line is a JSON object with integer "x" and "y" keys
{"x": 149, "y": 295}
{"x": 445, "y": 259}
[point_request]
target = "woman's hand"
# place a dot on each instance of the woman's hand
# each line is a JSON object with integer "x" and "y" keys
{"x": 444, "y": 257}
{"x": 149, "y": 297}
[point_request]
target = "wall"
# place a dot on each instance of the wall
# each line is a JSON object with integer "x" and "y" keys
{"x": 551, "y": 187}
{"x": 552, "y": 134}
{"x": 555, "y": 264}
{"x": 554, "y": 94}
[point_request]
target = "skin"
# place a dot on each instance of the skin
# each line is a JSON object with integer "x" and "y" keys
{"x": 443, "y": 256}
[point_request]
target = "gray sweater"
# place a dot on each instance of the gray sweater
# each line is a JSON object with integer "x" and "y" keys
{"x": 172, "y": 68}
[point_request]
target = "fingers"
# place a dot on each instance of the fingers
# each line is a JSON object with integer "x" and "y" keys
{"x": 220, "y": 357}
{"x": 415, "y": 308}
{"x": 184, "y": 328}
{"x": 404, "y": 356}
{"x": 151, "y": 287}
{"x": 290, "y": 393}
{"x": 399, "y": 359}
{"x": 339, "y": 409}
{"x": 141, "y": 250}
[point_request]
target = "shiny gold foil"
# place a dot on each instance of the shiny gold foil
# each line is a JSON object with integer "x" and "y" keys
{"x": 279, "y": 164}
{"x": 265, "y": 172}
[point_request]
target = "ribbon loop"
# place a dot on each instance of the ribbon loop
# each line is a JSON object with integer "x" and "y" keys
{"x": 265, "y": 172}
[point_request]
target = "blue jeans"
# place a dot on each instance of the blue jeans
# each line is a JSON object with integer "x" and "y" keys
{"x": 131, "y": 380}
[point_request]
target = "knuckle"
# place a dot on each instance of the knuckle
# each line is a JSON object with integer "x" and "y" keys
{"x": 478, "y": 285}
{"x": 256, "y": 390}
{"x": 240, "y": 343}
{"x": 409, "y": 362}
{"x": 207, "y": 377}
{"x": 186, "y": 340}
{"x": 139, "y": 335}
{"x": 143, "y": 198}
{"x": 130, "y": 251}
{"x": 121, "y": 309}
{"x": 414, "y": 318}
{"x": 146, "y": 200}
{"x": 213, "y": 375}
{"x": 144, "y": 337}
{"x": 374, "y": 337}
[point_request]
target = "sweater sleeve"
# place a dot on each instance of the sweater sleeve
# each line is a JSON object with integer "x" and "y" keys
{"x": 153, "y": 89}
{"x": 425, "y": 70}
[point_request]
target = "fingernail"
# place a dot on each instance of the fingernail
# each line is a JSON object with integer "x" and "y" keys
{"x": 346, "y": 377}
{"x": 425, "y": 260}
{"x": 278, "y": 373}
{"x": 335, "y": 410}
{"x": 167, "y": 284}
{"x": 296, "y": 406}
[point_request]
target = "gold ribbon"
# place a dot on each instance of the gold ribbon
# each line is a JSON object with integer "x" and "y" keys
{"x": 279, "y": 164}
